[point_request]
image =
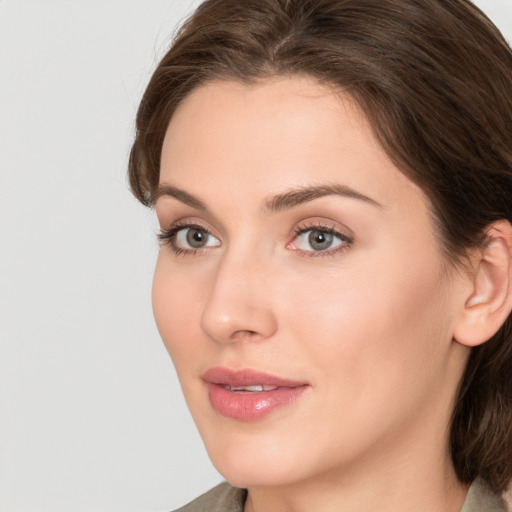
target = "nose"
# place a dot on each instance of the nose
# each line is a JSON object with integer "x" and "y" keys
{"x": 239, "y": 305}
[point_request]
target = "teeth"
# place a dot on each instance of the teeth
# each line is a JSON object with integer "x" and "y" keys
{"x": 253, "y": 388}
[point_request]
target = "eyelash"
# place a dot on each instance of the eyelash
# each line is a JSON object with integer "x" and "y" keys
{"x": 168, "y": 236}
{"x": 346, "y": 240}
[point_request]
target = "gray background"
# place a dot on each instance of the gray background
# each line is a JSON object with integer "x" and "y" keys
{"x": 91, "y": 415}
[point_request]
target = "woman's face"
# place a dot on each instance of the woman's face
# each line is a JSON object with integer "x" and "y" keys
{"x": 300, "y": 288}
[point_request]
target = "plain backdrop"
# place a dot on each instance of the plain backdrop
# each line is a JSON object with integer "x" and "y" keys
{"x": 91, "y": 414}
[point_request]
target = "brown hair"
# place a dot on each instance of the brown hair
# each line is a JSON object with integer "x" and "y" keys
{"x": 434, "y": 78}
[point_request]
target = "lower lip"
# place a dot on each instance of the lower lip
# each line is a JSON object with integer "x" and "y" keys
{"x": 251, "y": 406}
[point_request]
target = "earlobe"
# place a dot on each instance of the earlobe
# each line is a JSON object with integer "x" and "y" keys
{"x": 490, "y": 302}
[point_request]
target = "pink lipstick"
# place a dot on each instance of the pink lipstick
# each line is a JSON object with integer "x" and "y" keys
{"x": 248, "y": 395}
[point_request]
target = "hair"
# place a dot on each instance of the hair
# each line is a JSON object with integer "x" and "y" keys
{"x": 434, "y": 79}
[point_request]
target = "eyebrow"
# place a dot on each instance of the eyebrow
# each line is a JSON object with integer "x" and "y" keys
{"x": 301, "y": 195}
{"x": 284, "y": 201}
{"x": 180, "y": 195}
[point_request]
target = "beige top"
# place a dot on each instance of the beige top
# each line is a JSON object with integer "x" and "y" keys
{"x": 225, "y": 498}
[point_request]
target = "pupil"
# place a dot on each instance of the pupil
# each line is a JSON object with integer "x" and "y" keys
{"x": 196, "y": 238}
{"x": 320, "y": 240}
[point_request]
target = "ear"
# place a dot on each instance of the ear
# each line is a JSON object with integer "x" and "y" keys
{"x": 489, "y": 302}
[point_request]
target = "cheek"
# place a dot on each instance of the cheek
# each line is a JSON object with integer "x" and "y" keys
{"x": 380, "y": 324}
{"x": 176, "y": 310}
{"x": 374, "y": 344}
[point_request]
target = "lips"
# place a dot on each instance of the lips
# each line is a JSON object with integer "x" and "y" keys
{"x": 248, "y": 395}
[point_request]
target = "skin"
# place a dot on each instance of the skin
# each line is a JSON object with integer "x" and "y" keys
{"x": 368, "y": 323}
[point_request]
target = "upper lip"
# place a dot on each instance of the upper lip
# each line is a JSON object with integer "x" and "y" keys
{"x": 247, "y": 377}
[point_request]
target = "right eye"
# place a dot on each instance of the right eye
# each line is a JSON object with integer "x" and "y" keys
{"x": 188, "y": 238}
{"x": 194, "y": 238}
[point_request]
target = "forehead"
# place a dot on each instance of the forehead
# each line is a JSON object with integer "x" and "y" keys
{"x": 269, "y": 136}
{"x": 291, "y": 107}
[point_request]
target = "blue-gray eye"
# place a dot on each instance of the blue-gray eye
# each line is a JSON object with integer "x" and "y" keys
{"x": 194, "y": 238}
{"x": 318, "y": 240}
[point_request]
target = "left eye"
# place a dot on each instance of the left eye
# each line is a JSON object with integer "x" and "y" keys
{"x": 318, "y": 240}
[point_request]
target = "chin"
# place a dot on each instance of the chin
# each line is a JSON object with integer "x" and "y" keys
{"x": 255, "y": 460}
{"x": 250, "y": 474}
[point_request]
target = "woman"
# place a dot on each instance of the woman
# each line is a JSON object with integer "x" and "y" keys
{"x": 333, "y": 182}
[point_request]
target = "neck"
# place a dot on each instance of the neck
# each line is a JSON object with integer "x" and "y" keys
{"x": 410, "y": 469}
{"x": 403, "y": 488}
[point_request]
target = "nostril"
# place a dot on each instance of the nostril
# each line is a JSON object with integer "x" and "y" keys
{"x": 231, "y": 315}
{"x": 244, "y": 334}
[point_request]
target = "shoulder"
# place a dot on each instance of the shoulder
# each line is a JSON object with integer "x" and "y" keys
{"x": 481, "y": 499}
{"x": 223, "y": 498}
